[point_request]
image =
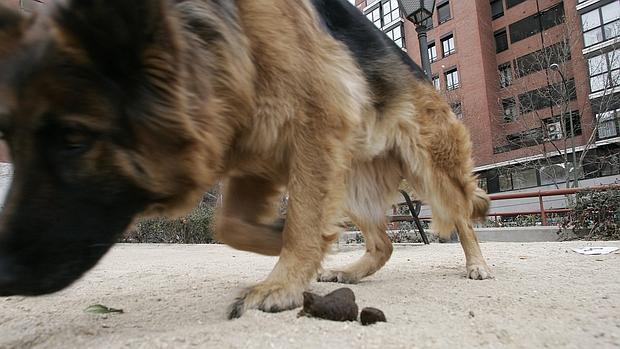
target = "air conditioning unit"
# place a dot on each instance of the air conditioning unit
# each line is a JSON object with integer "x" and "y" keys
{"x": 554, "y": 131}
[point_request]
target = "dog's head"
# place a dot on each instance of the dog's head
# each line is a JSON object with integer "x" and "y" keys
{"x": 92, "y": 108}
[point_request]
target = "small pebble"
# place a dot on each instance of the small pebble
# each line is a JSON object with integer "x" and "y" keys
{"x": 370, "y": 316}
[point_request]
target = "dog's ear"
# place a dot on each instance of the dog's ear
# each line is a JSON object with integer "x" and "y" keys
{"x": 135, "y": 44}
{"x": 115, "y": 34}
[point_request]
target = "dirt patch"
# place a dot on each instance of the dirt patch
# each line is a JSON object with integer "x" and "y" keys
{"x": 544, "y": 295}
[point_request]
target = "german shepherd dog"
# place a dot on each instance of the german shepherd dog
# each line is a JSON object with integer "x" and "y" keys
{"x": 117, "y": 109}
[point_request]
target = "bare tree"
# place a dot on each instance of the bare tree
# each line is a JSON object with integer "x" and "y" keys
{"x": 548, "y": 117}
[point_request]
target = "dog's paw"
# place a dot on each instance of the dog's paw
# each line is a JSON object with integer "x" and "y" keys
{"x": 342, "y": 277}
{"x": 268, "y": 297}
{"x": 479, "y": 272}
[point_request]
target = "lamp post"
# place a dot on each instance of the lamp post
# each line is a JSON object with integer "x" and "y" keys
{"x": 420, "y": 12}
{"x": 566, "y": 98}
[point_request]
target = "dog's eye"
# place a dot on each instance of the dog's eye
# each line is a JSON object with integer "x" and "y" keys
{"x": 75, "y": 140}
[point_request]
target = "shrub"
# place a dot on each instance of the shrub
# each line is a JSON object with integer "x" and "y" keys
{"x": 194, "y": 228}
{"x": 596, "y": 215}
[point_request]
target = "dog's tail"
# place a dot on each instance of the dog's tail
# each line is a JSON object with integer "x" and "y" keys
{"x": 481, "y": 203}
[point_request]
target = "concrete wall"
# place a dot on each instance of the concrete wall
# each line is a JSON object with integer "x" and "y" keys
{"x": 518, "y": 234}
{"x": 512, "y": 234}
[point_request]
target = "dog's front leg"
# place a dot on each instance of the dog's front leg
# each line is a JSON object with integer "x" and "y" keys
{"x": 247, "y": 219}
{"x": 315, "y": 194}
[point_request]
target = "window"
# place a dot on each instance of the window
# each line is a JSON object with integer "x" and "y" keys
{"x": 509, "y": 109}
{"x": 457, "y": 109}
{"x": 511, "y": 3}
{"x": 452, "y": 79}
{"x": 558, "y": 127}
{"x": 553, "y": 174}
{"x": 518, "y": 179}
{"x": 601, "y": 24}
{"x": 505, "y": 148}
{"x": 483, "y": 183}
{"x": 386, "y": 13}
{"x": 536, "y": 23}
{"x": 432, "y": 52}
{"x": 552, "y": 16}
{"x": 396, "y": 34}
{"x": 527, "y": 138}
{"x": 524, "y": 28}
{"x": 541, "y": 59}
{"x": 501, "y": 40}
{"x": 524, "y": 179}
{"x": 529, "y": 63}
{"x": 443, "y": 12}
{"x": 505, "y": 182}
{"x": 608, "y": 124}
{"x": 604, "y": 71}
{"x": 534, "y": 100}
{"x": 390, "y": 10}
{"x": 558, "y": 173}
{"x": 610, "y": 165}
{"x": 546, "y": 96}
{"x": 576, "y": 116}
{"x": 374, "y": 15}
{"x": 448, "y": 46}
{"x": 497, "y": 9}
{"x": 554, "y": 129}
{"x": 436, "y": 82}
{"x": 505, "y": 75}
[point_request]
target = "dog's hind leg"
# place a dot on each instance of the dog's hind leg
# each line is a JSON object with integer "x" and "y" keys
{"x": 247, "y": 220}
{"x": 378, "y": 251}
{"x": 370, "y": 188}
{"x": 437, "y": 163}
{"x": 452, "y": 201}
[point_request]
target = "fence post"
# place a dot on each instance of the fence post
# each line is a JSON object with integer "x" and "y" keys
{"x": 543, "y": 214}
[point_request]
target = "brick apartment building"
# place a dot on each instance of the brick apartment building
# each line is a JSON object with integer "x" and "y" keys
{"x": 490, "y": 58}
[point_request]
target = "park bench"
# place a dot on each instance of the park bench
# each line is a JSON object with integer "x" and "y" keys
{"x": 414, "y": 215}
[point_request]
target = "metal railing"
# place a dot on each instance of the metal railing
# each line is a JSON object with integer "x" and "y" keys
{"x": 540, "y": 194}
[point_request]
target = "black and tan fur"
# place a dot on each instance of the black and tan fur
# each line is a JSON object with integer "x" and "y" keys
{"x": 115, "y": 109}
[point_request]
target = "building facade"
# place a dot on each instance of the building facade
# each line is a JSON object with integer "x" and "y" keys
{"x": 493, "y": 61}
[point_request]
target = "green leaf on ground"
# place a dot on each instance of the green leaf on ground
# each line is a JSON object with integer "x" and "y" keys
{"x": 101, "y": 309}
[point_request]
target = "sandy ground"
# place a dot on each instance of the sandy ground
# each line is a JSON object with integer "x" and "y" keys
{"x": 544, "y": 295}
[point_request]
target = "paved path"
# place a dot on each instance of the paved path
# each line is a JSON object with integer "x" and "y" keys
{"x": 544, "y": 295}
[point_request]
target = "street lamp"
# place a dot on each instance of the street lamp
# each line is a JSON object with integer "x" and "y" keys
{"x": 420, "y": 12}
{"x": 566, "y": 97}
